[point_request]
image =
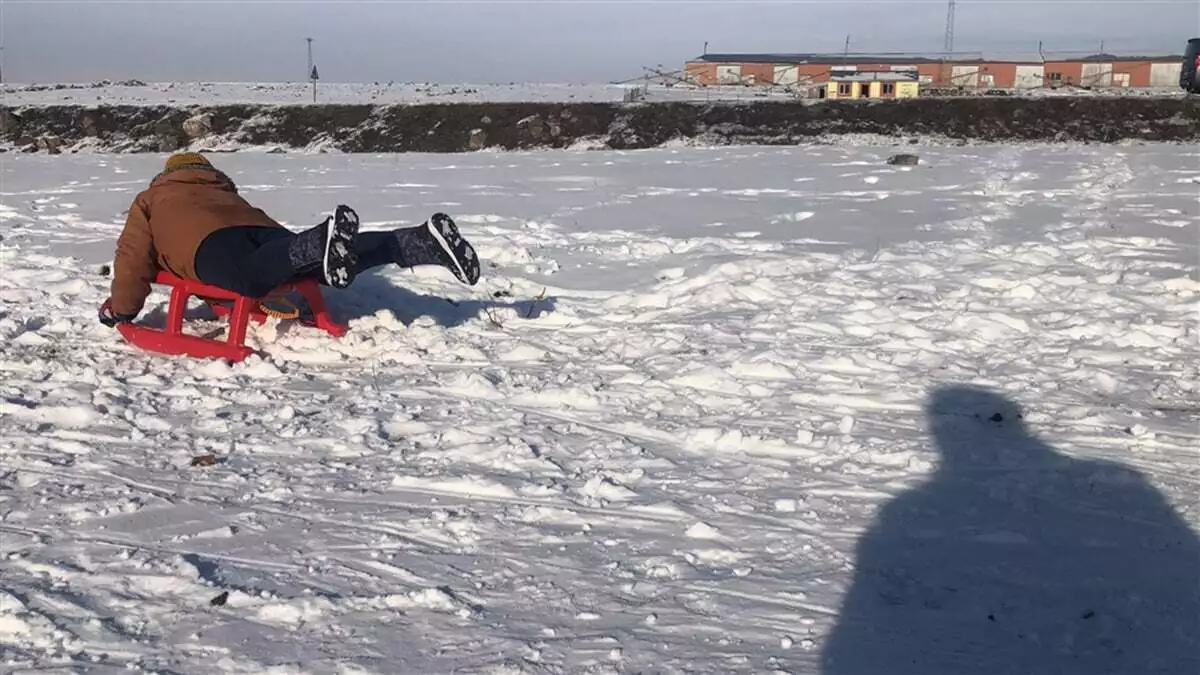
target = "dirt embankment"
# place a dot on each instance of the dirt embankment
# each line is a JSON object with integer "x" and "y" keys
{"x": 455, "y": 127}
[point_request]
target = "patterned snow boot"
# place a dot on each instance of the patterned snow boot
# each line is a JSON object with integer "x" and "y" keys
{"x": 328, "y": 247}
{"x": 437, "y": 241}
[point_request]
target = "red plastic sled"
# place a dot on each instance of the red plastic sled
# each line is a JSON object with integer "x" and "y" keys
{"x": 173, "y": 341}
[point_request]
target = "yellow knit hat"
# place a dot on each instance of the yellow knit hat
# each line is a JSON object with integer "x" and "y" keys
{"x": 183, "y": 159}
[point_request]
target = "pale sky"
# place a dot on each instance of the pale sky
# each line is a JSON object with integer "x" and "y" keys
{"x": 548, "y": 41}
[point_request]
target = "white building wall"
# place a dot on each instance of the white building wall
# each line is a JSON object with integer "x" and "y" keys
{"x": 1029, "y": 77}
{"x": 729, "y": 74}
{"x": 965, "y": 76}
{"x": 1165, "y": 74}
{"x": 1097, "y": 75}
{"x": 787, "y": 75}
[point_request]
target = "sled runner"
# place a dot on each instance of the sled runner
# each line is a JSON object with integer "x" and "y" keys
{"x": 173, "y": 341}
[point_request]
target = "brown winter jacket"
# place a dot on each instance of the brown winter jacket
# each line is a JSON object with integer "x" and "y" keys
{"x": 167, "y": 223}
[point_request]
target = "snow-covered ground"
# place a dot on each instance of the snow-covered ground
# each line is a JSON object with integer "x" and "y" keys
{"x": 275, "y": 93}
{"x": 271, "y": 93}
{"x": 776, "y": 410}
{"x": 208, "y": 93}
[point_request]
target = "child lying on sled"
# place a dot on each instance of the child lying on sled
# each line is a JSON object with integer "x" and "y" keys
{"x": 192, "y": 222}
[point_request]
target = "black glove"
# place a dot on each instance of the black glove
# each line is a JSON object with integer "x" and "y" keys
{"x": 109, "y": 319}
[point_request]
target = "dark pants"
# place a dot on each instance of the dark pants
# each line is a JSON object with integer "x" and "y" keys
{"x": 252, "y": 261}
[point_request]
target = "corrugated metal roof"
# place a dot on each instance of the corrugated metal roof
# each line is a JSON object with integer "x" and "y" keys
{"x": 876, "y": 76}
{"x": 882, "y": 59}
{"x": 1113, "y": 58}
{"x": 897, "y": 59}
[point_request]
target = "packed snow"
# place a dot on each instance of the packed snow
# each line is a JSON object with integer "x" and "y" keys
{"x": 785, "y": 410}
{"x": 401, "y": 93}
{"x": 300, "y": 93}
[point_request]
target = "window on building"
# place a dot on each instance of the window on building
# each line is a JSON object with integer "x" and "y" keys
{"x": 1054, "y": 77}
{"x": 844, "y": 89}
{"x": 889, "y": 89}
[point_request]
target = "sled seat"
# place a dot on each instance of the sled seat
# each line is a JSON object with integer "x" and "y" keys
{"x": 173, "y": 341}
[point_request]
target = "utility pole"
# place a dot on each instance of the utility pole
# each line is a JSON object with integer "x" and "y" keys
{"x": 948, "y": 42}
{"x": 948, "y": 45}
{"x": 308, "y": 71}
{"x": 846, "y": 51}
{"x": 1, "y": 64}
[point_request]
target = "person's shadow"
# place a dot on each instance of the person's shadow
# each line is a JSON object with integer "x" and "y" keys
{"x": 369, "y": 294}
{"x": 373, "y": 292}
{"x": 1016, "y": 559}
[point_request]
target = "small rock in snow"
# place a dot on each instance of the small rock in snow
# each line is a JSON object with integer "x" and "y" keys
{"x": 702, "y": 531}
{"x": 1137, "y": 430}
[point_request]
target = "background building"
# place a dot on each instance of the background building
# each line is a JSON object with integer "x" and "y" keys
{"x": 806, "y": 70}
{"x": 871, "y": 84}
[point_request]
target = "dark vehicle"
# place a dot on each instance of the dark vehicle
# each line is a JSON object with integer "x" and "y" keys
{"x": 1188, "y": 78}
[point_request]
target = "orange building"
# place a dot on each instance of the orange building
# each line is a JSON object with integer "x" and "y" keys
{"x": 1063, "y": 72}
{"x": 1106, "y": 70}
{"x": 1101, "y": 70}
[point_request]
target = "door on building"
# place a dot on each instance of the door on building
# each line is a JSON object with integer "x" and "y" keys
{"x": 1120, "y": 79}
{"x": 729, "y": 74}
{"x": 987, "y": 80}
{"x": 964, "y": 76}
{"x": 787, "y": 75}
{"x": 1097, "y": 75}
